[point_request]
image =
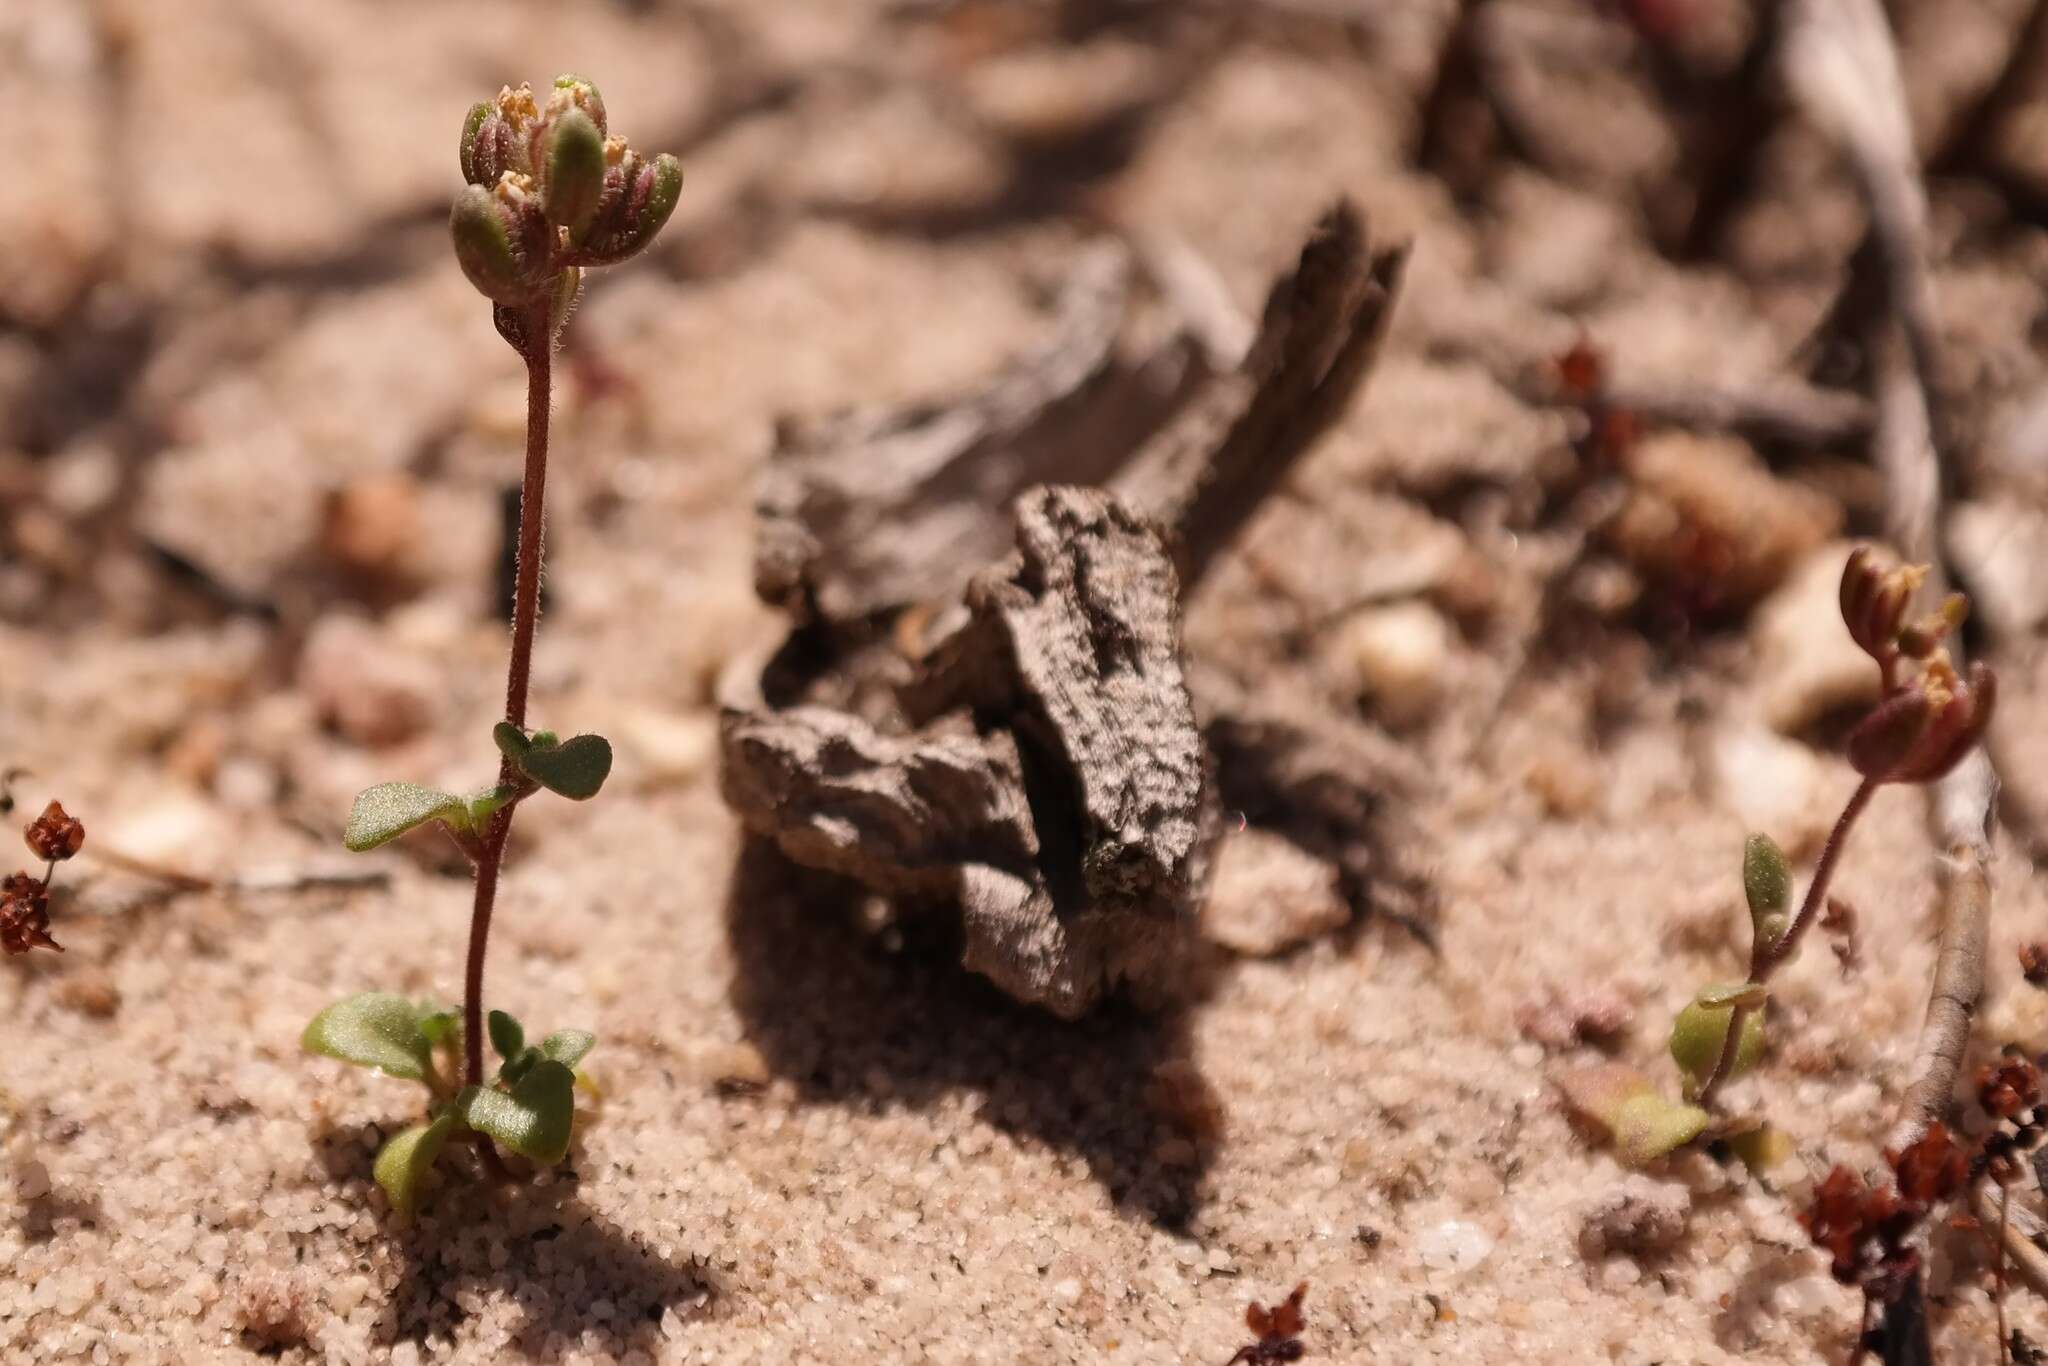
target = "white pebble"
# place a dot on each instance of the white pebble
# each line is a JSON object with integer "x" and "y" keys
{"x": 1454, "y": 1245}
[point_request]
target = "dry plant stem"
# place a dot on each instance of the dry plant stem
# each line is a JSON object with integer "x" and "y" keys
{"x": 2017, "y": 1234}
{"x": 2004, "y": 1227}
{"x": 1766, "y": 957}
{"x": 1959, "y": 815}
{"x": 525, "y": 616}
{"x": 1842, "y": 67}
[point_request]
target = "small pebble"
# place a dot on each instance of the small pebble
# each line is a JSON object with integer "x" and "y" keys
{"x": 1396, "y": 658}
{"x": 1453, "y": 1245}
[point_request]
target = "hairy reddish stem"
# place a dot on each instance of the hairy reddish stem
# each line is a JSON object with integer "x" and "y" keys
{"x": 1766, "y": 958}
{"x": 539, "y": 355}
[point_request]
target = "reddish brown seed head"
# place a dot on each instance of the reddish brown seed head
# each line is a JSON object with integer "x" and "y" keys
{"x": 25, "y": 915}
{"x": 1838, "y": 1220}
{"x": 1924, "y": 729}
{"x": 1932, "y": 1169}
{"x": 2008, "y": 1086}
{"x": 54, "y": 836}
{"x": 2034, "y": 963}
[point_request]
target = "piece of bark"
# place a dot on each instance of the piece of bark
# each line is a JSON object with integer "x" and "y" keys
{"x": 1068, "y": 824}
{"x": 1237, "y": 440}
{"x": 1040, "y": 768}
{"x": 869, "y": 511}
{"x": 1074, "y": 641}
{"x": 901, "y": 814}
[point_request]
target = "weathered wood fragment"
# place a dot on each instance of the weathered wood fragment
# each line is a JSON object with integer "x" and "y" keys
{"x": 1040, "y": 771}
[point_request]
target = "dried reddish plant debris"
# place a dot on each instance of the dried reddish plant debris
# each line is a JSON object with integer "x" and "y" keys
{"x": 1932, "y": 1169}
{"x": 55, "y": 835}
{"x": 25, "y": 915}
{"x": 1279, "y": 1331}
{"x": 1865, "y": 1230}
{"x": 2034, "y": 963}
{"x": 1837, "y": 1220}
{"x": 2009, "y": 1090}
{"x": 2008, "y": 1086}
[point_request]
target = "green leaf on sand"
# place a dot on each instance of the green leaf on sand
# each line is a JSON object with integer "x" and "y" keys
{"x": 405, "y": 1160}
{"x": 567, "y": 1046}
{"x": 533, "y": 1119}
{"x": 375, "y": 1029}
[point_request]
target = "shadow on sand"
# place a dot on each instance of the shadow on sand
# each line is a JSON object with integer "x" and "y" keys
{"x": 830, "y": 1007}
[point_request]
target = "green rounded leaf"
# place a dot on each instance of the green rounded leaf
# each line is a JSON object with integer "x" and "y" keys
{"x": 508, "y": 1036}
{"x": 533, "y": 1119}
{"x": 567, "y": 1046}
{"x": 1653, "y": 1126}
{"x": 575, "y": 769}
{"x": 1701, "y": 1030}
{"x": 403, "y": 1163}
{"x": 375, "y": 1029}
{"x": 384, "y": 812}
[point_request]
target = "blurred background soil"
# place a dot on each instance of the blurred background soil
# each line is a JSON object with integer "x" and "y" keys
{"x": 255, "y": 435}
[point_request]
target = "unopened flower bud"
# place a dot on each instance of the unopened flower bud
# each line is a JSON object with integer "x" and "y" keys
{"x": 497, "y": 136}
{"x": 1874, "y": 600}
{"x": 1884, "y": 739}
{"x": 502, "y": 241}
{"x": 638, "y": 198}
{"x": 573, "y": 171}
{"x": 55, "y": 835}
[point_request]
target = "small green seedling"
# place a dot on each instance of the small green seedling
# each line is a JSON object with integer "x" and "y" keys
{"x": 549, "y": 194}
{"x": 1928, "y": 717}
{"x": 528, "y": 1108}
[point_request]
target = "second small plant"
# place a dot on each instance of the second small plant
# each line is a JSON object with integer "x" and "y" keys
{"x": 1928, "y": 717}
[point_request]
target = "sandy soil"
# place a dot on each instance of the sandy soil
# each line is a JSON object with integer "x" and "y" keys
{"x": 234, "y": 349}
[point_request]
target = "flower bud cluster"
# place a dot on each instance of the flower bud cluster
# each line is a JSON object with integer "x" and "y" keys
{"x": 550, "y": 193}
{"x": 1930, "y": 715}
